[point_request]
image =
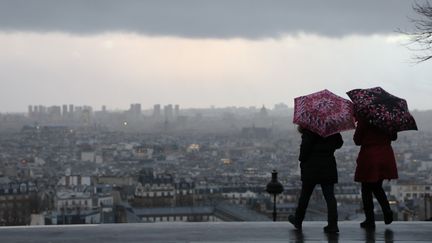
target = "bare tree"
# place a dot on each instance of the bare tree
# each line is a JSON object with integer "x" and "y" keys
{"x": 421, "y": 36}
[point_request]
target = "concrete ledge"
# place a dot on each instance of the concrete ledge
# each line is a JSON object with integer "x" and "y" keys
{"x": 218, "y": 232}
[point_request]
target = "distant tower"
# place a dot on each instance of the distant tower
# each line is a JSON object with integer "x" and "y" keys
{"x": 168, "y": 112}
{"x": 157, "y": 111}
{"x": 54, "y": 112}
{"x": 103, "y": 108}
{"x": 176, "y": 111}
{"x": 71, "y": 109}
{"x": 30, "y": 110}
{"x": 135, "y": 109}
{"x": 42, "y": 109}
{"x": 263, "y": 112}
{"x": 138, "y": 108}
{"x": 64, "y": 110}
{"x": 86, "y": 112}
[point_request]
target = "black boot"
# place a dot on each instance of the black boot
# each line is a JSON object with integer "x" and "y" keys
{"x": 369, "y": 223}
{"x": 332, "y": 219}
{"x": 331, "y": 228}
{"x": 294, "y": 221}
{"x": 388, "y": 216}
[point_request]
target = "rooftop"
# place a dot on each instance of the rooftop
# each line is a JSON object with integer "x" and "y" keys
{"x": 218, "y": 232}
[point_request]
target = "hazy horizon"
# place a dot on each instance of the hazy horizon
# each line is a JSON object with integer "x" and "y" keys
{"x": 203, "y": 53}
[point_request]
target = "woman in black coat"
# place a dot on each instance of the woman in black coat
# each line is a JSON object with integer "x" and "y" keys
{"x": 318, "y": 166}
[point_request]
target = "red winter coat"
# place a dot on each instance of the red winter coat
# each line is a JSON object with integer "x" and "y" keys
{"x": 376, "y": 160}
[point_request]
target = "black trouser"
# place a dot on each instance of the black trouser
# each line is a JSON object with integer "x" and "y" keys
{"x": 375, "y": 188}
{"x": 328, "y": 192}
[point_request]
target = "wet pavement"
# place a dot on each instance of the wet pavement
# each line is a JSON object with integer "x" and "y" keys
{"x": 218, "y": 232}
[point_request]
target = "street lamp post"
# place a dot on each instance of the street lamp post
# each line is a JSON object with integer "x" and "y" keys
{"x": 274, "y": 187}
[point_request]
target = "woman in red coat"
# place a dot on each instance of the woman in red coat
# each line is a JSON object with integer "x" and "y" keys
{"x": 375, "y": 163}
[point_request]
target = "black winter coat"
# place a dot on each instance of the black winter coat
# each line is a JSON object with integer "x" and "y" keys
{"x": 317, "y": 161}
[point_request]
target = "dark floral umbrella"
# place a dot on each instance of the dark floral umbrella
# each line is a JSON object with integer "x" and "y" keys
{"x": 324, "y": 113}
{"x": 382, "y": 109}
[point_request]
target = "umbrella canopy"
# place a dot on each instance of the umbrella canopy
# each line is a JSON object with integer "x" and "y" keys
{"x": 324, "y": 113}
{"x": 382, "y": 109}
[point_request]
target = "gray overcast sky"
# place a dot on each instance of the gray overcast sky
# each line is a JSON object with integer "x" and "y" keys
{"x": 207, "y": 18}
{"x": 198, "y": 53}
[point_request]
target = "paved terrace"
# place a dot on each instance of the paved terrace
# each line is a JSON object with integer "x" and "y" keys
{"x": 217, "y": 232}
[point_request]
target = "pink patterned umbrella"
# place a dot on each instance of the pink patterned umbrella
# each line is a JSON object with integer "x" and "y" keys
{"x": 324, "y": 113}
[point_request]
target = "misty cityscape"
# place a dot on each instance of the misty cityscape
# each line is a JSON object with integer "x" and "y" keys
{"x": 215, "y": 121}
{"x": 71, "y": 164}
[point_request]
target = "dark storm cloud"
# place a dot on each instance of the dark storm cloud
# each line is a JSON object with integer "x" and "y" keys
{"x": 206, "y": 18}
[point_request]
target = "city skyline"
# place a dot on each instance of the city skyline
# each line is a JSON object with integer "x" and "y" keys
{"x": 203, "y": 53}
{"x": 138, "y": 106}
